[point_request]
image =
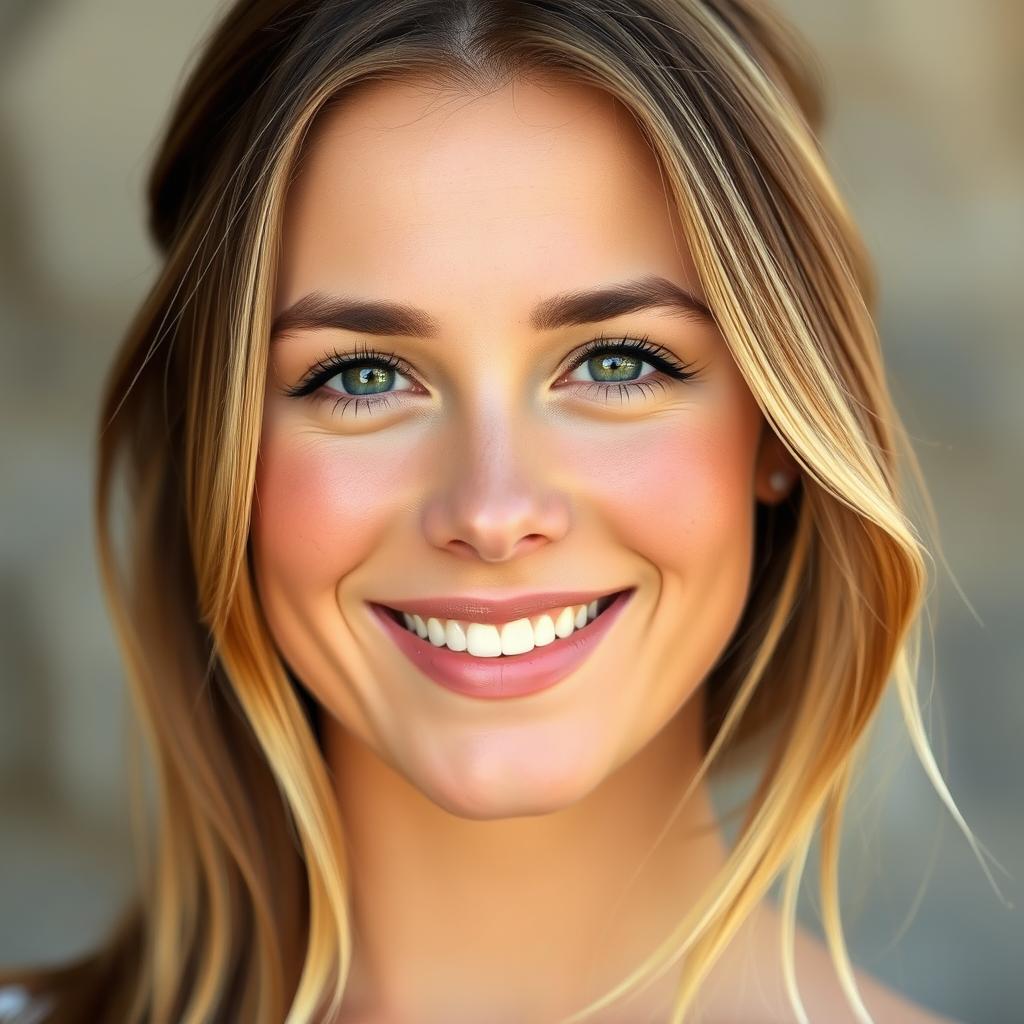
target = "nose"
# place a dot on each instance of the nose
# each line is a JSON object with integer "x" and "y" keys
{"x": 496, "y": 501}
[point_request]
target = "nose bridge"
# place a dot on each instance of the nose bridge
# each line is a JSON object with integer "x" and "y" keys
{"x": 494, "y": 497}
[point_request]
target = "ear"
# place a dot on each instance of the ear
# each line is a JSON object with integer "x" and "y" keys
{"x": 776, "y": 473}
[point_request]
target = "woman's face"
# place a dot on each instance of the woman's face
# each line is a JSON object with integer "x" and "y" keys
{"x": 488, "y": 460}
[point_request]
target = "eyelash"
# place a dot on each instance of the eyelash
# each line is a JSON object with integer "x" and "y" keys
{"x": 330, "y": 366}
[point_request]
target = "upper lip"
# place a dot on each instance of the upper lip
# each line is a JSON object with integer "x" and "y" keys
{"x": 473, "y": 608}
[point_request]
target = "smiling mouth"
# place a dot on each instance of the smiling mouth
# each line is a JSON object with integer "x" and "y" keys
{"x": 509, "y": 659}
{"x": 484, "y": 640}
{"x": 602, "y": 604}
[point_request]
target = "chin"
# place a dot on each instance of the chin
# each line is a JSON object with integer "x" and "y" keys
{"x": 501, "y": 775}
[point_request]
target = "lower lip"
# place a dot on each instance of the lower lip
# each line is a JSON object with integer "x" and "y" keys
{"x": 509, "y": 675}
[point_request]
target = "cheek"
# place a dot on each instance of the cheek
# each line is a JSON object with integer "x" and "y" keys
{"x": 320, "y": 507}
{"x": 679, "y": 491}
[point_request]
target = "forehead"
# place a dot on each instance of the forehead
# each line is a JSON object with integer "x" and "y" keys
{"x": 405, "y": 189}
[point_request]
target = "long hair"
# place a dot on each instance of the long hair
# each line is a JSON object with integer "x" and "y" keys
{"x": 244, "y": 912}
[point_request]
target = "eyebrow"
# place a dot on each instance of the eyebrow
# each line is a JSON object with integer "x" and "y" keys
{"x": 368, "y": 316}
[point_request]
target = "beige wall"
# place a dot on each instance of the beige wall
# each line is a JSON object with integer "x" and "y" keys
{"x": 925, "y": 99}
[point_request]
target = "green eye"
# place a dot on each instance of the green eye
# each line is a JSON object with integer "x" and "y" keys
{"x": 364, "y": 379}
{"x": 614, "y": 368}
{"x": 616, "y": 364}
{"x": 367, "y": 377}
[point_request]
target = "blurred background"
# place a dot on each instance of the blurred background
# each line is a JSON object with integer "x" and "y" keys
{"x": 925, "y": 139}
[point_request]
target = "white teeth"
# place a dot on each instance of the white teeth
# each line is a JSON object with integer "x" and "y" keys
{"x": 484, "y": 640}
{"x": 517, "y": 637}
{"x": 565, "y": 623}
{"x": 436, "y": 632}
{"x": 455, "y": 635}
{"x": 543, "y": 630}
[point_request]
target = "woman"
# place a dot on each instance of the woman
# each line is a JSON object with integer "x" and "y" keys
{"x": 482, "y": 325}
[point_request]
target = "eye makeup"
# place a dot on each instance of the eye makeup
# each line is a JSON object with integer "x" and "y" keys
{"x": 625, "y": 349}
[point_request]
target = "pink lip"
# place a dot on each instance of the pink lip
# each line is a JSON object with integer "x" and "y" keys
{"x": 470, "y": 608}
{"x": 513, "y": 675}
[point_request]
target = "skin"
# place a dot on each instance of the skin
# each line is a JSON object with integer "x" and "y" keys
{"x": 494, "y": 843}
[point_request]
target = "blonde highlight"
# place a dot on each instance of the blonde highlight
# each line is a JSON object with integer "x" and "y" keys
{"x": 245, "y": 911}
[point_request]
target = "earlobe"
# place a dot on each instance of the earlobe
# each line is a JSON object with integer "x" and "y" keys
{"x": 775, "y": 484}
{"x": 780, "y": 482}
{"x": 776, "y": 474}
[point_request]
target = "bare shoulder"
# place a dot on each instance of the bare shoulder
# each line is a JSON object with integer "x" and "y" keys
{"x": 748, "y": 984}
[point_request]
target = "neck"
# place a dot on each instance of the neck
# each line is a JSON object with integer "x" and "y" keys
{"x": 532, "y": 915}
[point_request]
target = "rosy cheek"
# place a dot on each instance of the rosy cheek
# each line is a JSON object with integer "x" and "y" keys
{"x": 322, "y": 505}
{"x": 677, "y": 491}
